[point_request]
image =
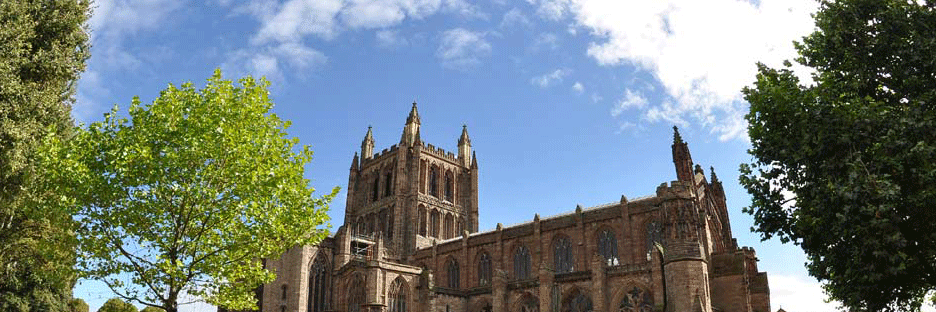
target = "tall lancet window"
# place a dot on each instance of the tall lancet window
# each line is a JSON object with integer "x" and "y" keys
{"x": 562, "y": 255}
{"x": 484, "y": 269}
{"x": 398, "y": 295}
{"x": 388, "y": 183}
{"x": 434, "y": 181}
{"x": 356, "y": 293}
{"x": 376, "y": 188}
{"x": 318, "y": 285}
{"x": 449, "y": 187}
{"x": 607, "y": 247}
{"x": 452, "y": 270}
{"x": 522, "y": 263}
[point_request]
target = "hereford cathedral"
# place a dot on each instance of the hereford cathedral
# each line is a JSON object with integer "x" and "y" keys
{"x": 410, "y": 242}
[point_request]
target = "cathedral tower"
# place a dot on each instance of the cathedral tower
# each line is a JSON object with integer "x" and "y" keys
{"x": 412, "y": 193}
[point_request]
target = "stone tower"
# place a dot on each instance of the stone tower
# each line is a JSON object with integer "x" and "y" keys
{"x": 412, "y": 193}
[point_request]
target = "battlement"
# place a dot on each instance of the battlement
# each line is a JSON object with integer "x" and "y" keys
{"x": 441, "y": 153}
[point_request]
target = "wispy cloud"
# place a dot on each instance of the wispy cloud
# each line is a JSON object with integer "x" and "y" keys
{"x": 631, "y": 99}
{"x": 390, "y": 39}
{"x": 702, "y": 62}
{"x": 578, "y": 87}
{"x": 514, "y": 18}
{"x": 269, "y": 61}
{"x": 548, "y": 79}
{"x": 460, "y": 48}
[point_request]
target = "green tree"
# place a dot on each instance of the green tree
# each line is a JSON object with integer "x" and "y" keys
{"x": 117, "y": 305}
{"x": 77, "y": 305}
{"x": 845, "y": 167}
{"x": 187, "y": 194}
{"x": 43, "y": 50}
{"x": 152, "y": 309}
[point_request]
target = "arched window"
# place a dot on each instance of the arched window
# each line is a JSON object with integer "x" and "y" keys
{"x": 577, "y": 302}
{"x": 562, "y": 255}
{"x": 522, "y": 263}
{"x": 434, "y": 223}
{"x": 434, "y": 181}
{"x": 447, "y": 226}
{"x": 654, "y": 235}
{"x": 422, "y": 220}
{"x": 318, "y": 285}
{"x": 397, "y": 295}
{"x": 356, "y": 293}
{"x": 376, "y": 188}
{"x": 361, "y": 226}
{"x": 529, "y": 303}
{"x": 484, "y": 269}
{"x": 388, "y": 183}
{"x": 449, "y": 187}
{"x": 636, "y": 300}
{"x": 607, "y": 247}
{"x": 452, "y": 270}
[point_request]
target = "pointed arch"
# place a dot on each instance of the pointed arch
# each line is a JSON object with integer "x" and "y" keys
{"x": 577, "y": 301}
{"x": 319, "y": 283}
{"x": 606, "y": 240}
{"x": 522, "y": 262}
{"x": 356, "y": 293}
{"x": 563, "y": 257}
{"x": 398, "y": 295}
{"x": 422, "y": 215}
{"x": 653, "y": 234}
{"x": 449, "y": 186}
{"x": 452, "y": 273}
{"x": 634, "y": 298}
{"x": 434, "y": 181}
{"x": 484, "y": 268}
{"x": 434, "y": 222}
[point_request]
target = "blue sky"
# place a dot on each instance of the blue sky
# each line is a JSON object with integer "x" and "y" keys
{"x": 567, "y": 101}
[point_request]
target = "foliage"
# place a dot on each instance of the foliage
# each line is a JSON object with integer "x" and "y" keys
{"x": 117, "y": 305}
{"x": 845, "y": 167}
{"x": 77, "y": 305}
{"x": 186, "y": 195}
{"x": 152, "y": 309}
{"x": 44, "y": 46}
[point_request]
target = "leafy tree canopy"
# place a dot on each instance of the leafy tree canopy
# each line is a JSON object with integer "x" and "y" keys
{"x": 43, "y": 47}
{"x": 187, "y": 194}
{"x": 77, "y": 305}
{"x": 845, "y": 167}
{"x": 152, "y": 309}
{"x": 117, "y": 305}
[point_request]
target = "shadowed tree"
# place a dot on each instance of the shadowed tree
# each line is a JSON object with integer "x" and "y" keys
{"x": 846, "y": 167}
{"x": 43, "y": 47}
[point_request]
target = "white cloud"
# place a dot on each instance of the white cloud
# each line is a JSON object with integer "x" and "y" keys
{"x": 514, "y": 18}
{"x": 632, "y": 99}
{"x": 795, "y": 293}
{"x": 596, "y": 98}
{"x": 461, "y": 48}
{"x": 390, "y": 39}
{"x": 547, "y": 79}
{"x": 297, "y": 18}
{"x": 578, "y": 87}
{"x": 269, "y": 61}
{"x": 702, "y": 52}
{"x": 546, "y": 40}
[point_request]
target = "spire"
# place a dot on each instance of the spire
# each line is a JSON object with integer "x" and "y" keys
{"x": 474, "y": 161}
{"x": 417, "y": 140}
{"x": 681, "y": 158}
{"x": 413, "y": 115}
{"x": 354, "y": 162}
{"x": 714, "y": 177}
{"x": 367, "y": 146}
{"x": 411, "y": 128}
{"x": 464, "y": 136}
{"x": 676, "y": 137}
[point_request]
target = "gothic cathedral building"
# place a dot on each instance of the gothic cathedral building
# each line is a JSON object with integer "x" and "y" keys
{"x": 410, "y": 242}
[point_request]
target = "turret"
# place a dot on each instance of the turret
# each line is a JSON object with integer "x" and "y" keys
{"x": 411, "y": 128}
{"x": 367, "y": 146}
{"x": 681, "y": 157}
{"x": 464, "y": 147}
